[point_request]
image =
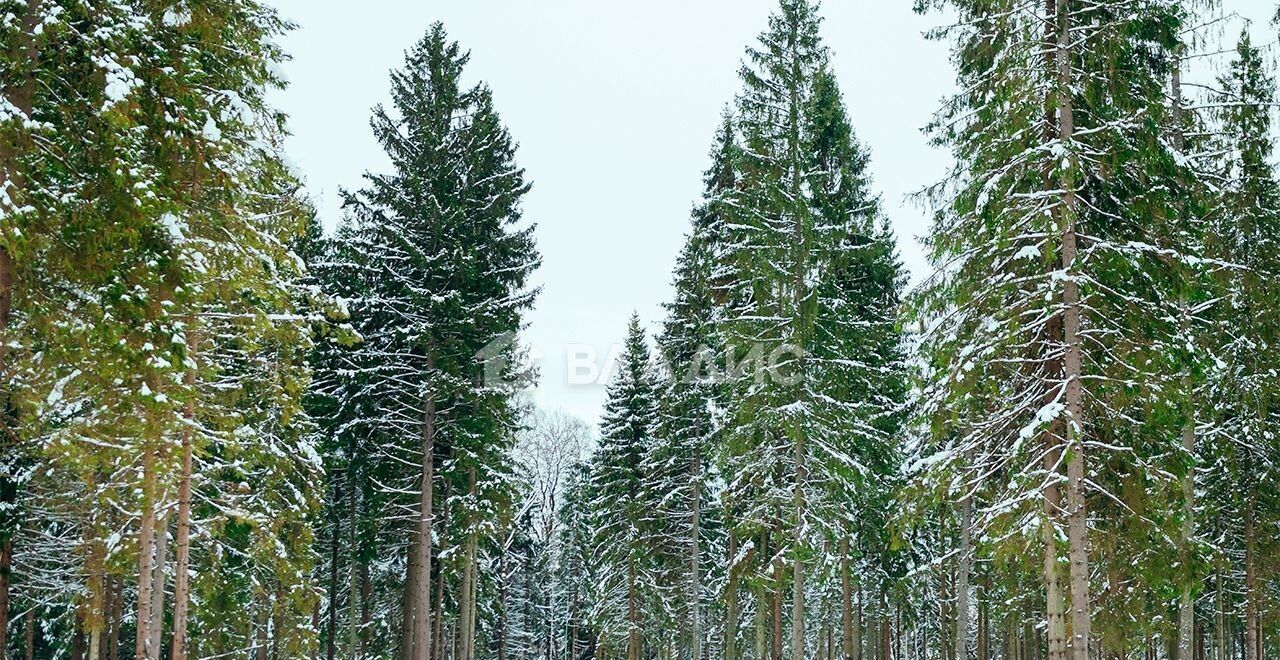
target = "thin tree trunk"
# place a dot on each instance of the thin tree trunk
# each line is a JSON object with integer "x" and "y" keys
{"x": 158, "y": 582}
{"x": 117, "y": 621}
{"x": 695, "y": 568}
{"x": 146, "y": 546}
{"x": 962, "y": 580}
{"x": 411, "y": 585}
{"x": 331, "y": 623}
{"x": 1222, "y": 618}
{"x": 353, "y": 577}
{"x": 1055, "y": 617}
{"x": 779, "y": 571}
{"x": 422, "y": 625}
{"x": 731, "y": 602}
{"x": 846, "y": 599}
{"x": 857, "y": 627}
{"x": 29, "y": 644}
{"x": 1077, "y": 515}
{"x": 1252, "y": 643}
{"x": 633, "y": 616}
{"x": 182, "y": 562}
{"x": 96, "y": 613}
{"x": 797, "y": 566}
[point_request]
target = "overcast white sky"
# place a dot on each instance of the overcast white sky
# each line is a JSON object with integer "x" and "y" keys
{"x": 614, "y": 104}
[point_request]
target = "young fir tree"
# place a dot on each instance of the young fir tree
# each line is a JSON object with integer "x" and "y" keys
{"x": 620, "y": 506}
{"x": 449, "y": 257}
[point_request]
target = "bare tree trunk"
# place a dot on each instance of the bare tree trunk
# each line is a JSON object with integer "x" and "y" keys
{"x": 117, "y": 619}
{"x": 731, "y": 602}
{"x": 422, "y": 610}
{"x": 1222, "y": 619}
{"x": 962, "y": 580}
{"x": 331, "y": 623}
{"x": 182, "y": 562}
{"x": 797, "y": 565}
{"x": 1056, "y": 630}
{"x": 695, "y": 567}
{"x": 633, "y": 615}
{"x": 1252, "y": 643}
{"x": 353, "y": 576}
{"x": 858, "y": 627}
{"x": 1077, "y": 515}
{"x": 146, "y": 546}
{"x": 778, "y": 575}
{"x": 411, "y": 586}
{"x": 158, "y": 583}
{"x": 846, "y": 599}
{"x": 29, "y": 644}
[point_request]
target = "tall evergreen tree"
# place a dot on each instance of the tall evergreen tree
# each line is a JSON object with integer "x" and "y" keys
{"x": 449, "y": 257}
{"x": 619, "y": 485}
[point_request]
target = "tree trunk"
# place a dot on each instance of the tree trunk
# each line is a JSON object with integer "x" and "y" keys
{"x": 778, "y": 576}
{"x": 1055, "y": 617}
{"x": 422, "y": 625}
{"x": 158, "y": 587}
{"x": 117, "y": 621}
{"x": 695, "y": 568}
{"x": 1077, "y": 515}
{"x": 846, "y": 599}
{"x": 411, "y": 586}
{"x": 962, "y": 580}
{"x": 731, "y": 602}
{"x": 29, "y": 644}
{"x": 1252, "y": 643}
{"x": 797, "y": 565}
{"x": 331, "y": 623}
{"x": 95, "y": 615}
{"x": 633, "y": 615}
{"x": 182, "y": 562}
{"x": 146, "y": 546}
{"x": 353, "y": 576}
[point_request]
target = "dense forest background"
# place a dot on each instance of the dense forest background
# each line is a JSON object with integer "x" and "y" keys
{"x": 228, "y": 433}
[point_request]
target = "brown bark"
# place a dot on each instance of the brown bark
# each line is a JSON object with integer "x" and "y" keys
{"x": 331, "y": 624}
{"x": 1252, "y": 641}
{"x": 353, "y": 572}
{"x": 146, "y": 546}
{"x": 117, "y": 621}
{"x": 797, "y": 566}
{"x": 633, "y": 614}
{"x": 1077, "y": 515}
{"x": 29, "y": 644}
{"x": 182, "y": 560}
{"x": 962, "y": 580}
{"x": 422, "y": 609}
{"x": 158, "y": 581}
{"x": 731, "y": 603}
{"x": 1055, "y": 616}
{"x": 411, "y": 586}
{"x": 695, "y": 568}
{"x": 846, "y": 600}
{"x": 776, "y": 599}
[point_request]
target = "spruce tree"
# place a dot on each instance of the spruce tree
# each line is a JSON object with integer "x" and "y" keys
{"x": 619, "y": 506}
{"x": 449, "y": 258}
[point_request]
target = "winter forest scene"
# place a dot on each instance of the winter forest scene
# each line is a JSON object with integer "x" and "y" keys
{"x": 668, "y": 330}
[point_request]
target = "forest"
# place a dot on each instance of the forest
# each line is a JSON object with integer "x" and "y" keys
{"x": 228, "y": 431}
